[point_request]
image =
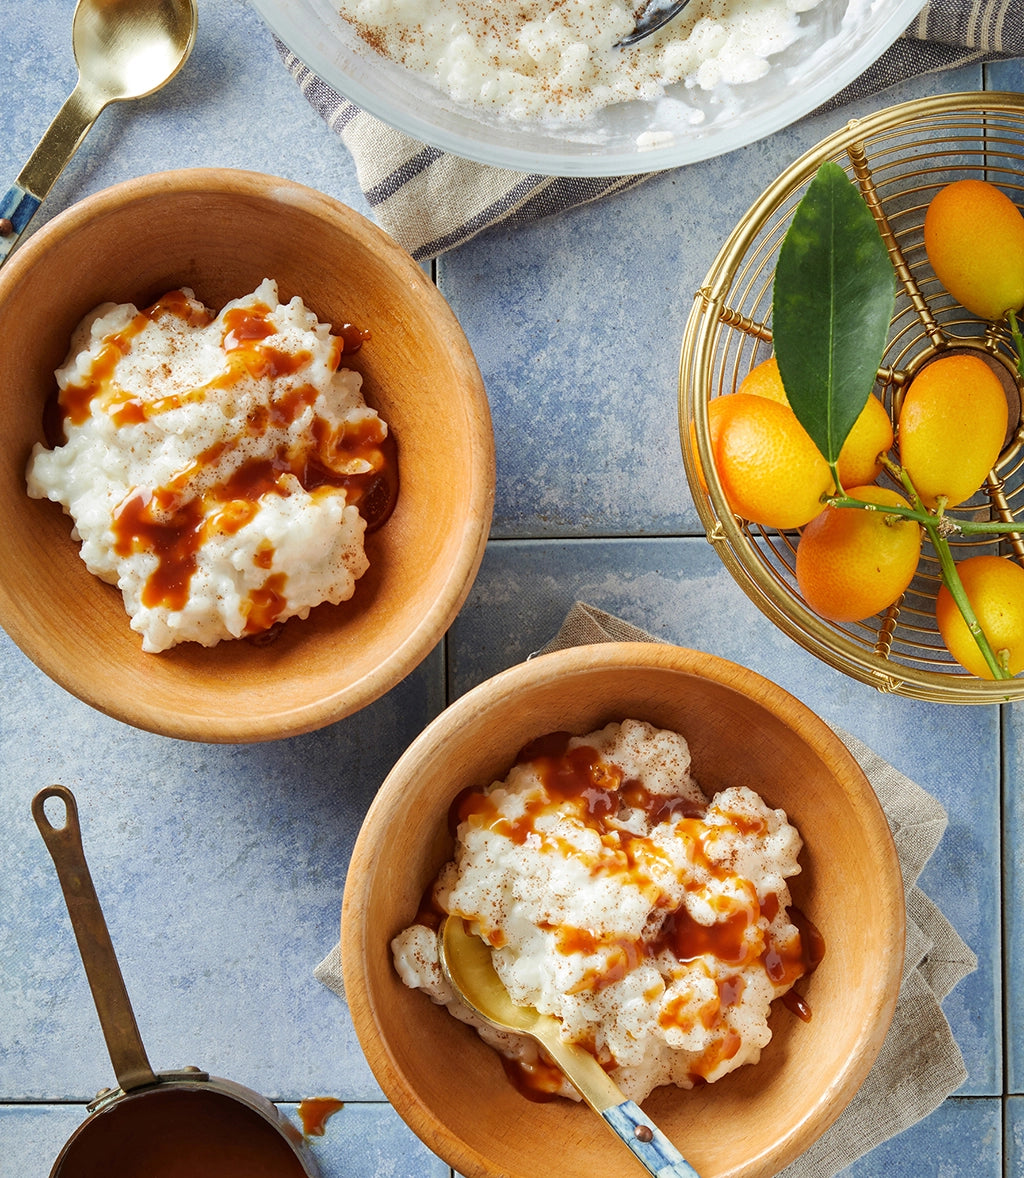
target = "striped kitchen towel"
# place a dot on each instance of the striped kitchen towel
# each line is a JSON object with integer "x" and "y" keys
{"x": 431, "y": 201}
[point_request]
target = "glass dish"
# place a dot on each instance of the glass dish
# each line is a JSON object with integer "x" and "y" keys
{"x": 840, "y": 39}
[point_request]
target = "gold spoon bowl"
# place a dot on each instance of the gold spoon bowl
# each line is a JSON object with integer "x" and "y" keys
{"x": 124, "y": 49}
{"x": 466, "y": 962}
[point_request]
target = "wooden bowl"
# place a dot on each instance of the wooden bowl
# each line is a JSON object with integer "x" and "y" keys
{"x": 220, "y": 232}
{"x": 451, "y": 1089}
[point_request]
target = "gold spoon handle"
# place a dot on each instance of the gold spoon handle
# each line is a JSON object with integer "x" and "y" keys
{"x": 651, "y": 1148}
{"x": 466, "y": 962}
{"x": 58, "y": 144}
{"x": 61, "y": 140}
{"x": 592, "y": 1082}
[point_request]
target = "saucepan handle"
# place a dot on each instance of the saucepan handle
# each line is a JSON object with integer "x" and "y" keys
{"x": 64, "y": 842}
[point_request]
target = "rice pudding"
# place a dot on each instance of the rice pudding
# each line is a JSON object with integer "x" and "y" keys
{"x": 558, "y": 60}
{"x": 218, "y": 468}
{"x": 654, "y": 923}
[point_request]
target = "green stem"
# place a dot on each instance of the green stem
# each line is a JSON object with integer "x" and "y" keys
{"x": 837, "y": 482}
{"x": 934, "y": 522}
{"x": 951, "y": 579}
{"x": 911, "y": 490}
{"x": 926, "y": 518}
{"x": 1018, "y": 339}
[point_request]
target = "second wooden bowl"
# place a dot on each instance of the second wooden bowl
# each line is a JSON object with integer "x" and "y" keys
{"x": 451, "y": 1088}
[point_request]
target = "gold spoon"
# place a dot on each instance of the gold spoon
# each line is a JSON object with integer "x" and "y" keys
{"x": 466, "y": 963}
{"x": 123, "y": 49}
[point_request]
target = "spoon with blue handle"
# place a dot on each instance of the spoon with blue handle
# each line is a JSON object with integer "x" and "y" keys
{"x": 466, "y": 963}
{"x": 123, "y": 49}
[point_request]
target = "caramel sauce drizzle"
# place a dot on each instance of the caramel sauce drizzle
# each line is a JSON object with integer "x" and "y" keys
{"x": 577, "y": 778}
{"x": 360, "y": 459}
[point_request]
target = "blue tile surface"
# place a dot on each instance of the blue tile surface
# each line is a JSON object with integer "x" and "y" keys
{"x": 961, "y": 1137}
{"x": 221, "y": 868}
{"x": 579, "y": 337}
{"x": 1013, "y": 894}
{"x": 1014, "y": 1137}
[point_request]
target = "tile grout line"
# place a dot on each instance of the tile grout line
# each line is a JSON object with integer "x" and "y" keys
{"x": 596, "y": 537}
{"x": 1004, "y": 910}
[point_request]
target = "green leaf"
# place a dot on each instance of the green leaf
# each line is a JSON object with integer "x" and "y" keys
{"x": 832, "y": 303}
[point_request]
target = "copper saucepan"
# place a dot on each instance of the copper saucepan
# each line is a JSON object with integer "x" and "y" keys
{"x": 154, "y": 1124}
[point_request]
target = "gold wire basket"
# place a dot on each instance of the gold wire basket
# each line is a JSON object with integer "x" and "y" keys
{"x": 900, "y": 158}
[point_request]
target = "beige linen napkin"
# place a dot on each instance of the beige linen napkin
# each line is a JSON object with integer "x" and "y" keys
{"x": 919, "y": 1064}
